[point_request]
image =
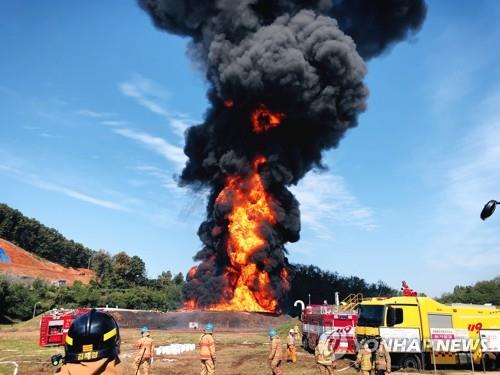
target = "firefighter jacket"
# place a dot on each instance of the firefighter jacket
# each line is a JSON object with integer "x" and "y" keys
{"x": 290, "y": 341}
{"x": 207, "y": 346}
{"x": 364, "y": 359}
{"x": 323, "y": 354}
{"x": 101, "y": 366}
{"x": 297, "y": 332}
{"x": 276, "y": 349}
{"x": 382, "y": 358}
{"x": 146, "y": 346}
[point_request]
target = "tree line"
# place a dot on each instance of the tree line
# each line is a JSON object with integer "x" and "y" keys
{"x": 41, "y": 240}
{"x": 487, "y": 291}
{"x": 322, "y": 284}
{"x": 120, "y": 282}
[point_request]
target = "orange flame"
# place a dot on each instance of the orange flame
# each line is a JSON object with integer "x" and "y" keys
{"x": 248, "y": 288}
{"x": 263, "y": 119}
{"x": 192, "y": 272}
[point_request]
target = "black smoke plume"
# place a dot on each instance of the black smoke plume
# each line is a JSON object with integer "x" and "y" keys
{"x": 303, "y": 58}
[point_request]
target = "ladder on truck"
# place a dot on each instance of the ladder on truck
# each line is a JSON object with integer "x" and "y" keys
{"x": 351, "y": 301}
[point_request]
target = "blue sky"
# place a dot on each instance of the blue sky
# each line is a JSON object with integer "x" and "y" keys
{"x": 94, "y": 101}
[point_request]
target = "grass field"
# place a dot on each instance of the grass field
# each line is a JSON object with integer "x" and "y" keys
{"x": 237, "y": 353}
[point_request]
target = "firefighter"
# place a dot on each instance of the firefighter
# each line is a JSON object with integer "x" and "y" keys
{"x": 323, "y": 354}
{"x": 291, "y": 352}
{"x": 276, "y": 353}
{"x": 364, "y": 360}
{"x": 92, "y": 346}
{"x": 207, "y": 350}
{"x": 382, "y": 358}
{"x": 297, "y": 333}
{"x": 144, "y": 357}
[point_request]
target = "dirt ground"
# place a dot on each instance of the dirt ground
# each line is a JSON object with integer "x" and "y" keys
{"x": 237, "y": 353}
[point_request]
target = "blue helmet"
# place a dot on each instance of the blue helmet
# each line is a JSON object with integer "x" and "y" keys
{"x": 209, "y": 327}
{"x": 144, "y": 330}
{"x": 272, "y": 332}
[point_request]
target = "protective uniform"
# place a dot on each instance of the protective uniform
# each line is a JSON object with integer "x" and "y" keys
{"x": 101, "y": 366}
{"x": 297, "y": 334}
{"x": 364, "y": 360}
{"x": 92, "y": 346}
{"x": 207, "y": 351}
{"x": 382, "y": 359}
{"x": 276, "y": 353}
{"x": 291, "y": 352}
{"x": 323, "y": 355}
{"x": 144, "y": 356}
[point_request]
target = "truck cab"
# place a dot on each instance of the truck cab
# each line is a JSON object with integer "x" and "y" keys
{"x": 421, "y": 332}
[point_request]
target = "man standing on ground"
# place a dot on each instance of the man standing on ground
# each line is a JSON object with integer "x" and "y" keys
{"x": 291, "y": 352}
{"x": 207, "y": 350}
{"x": 145, "y": 353}
{"x": 276, "y": 353}
{"x": 92, "y": 346}
{"x": 323, "y": 354}
{"x": 297, "y": 334}
{"x": 364, "y": 360}
{"x": 382, "y": 358}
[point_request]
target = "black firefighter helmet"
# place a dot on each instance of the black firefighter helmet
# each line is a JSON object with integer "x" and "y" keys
{"x": 92, "y": 336}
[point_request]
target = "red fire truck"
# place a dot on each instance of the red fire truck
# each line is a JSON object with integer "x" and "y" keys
{"x": 55, "y": 324}
{"x": 337, "y": 322}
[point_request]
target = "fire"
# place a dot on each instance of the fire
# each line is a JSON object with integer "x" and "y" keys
{"x": 192, "y": 272}
{"x": 263, "y": 119}
{"x": 247, "y": 285}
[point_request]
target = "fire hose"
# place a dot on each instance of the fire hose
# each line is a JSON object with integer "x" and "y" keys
{"x": 140, "y": 361}
{"x": 16, "y": 366}
{"x": 345, "y": 368}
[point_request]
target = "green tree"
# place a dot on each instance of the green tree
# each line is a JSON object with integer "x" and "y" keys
{"x": 482, "y": 292}
{"x": 4, "y": 293}
{"x": 101, "y": 263}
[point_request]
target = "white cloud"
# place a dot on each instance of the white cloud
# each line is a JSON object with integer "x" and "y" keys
{"x": 179, "y": 125}
{"x": 469, "y": 181}
{"x": 113, "y": 122}
{"x": 37, "y": 181}
{"x": 159, "y": 145}
{"x": 325, "y": 199}
{"x": 152, "y": 96}
{"x": 147, "y": 93}
{"x": 93, "y": 114}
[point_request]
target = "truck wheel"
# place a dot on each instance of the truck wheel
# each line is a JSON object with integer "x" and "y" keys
{"x": 305, "y": 343}
{"x": 410, "y": 362}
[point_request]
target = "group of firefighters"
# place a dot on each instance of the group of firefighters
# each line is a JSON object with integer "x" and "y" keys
{"x": 93, "y": 347}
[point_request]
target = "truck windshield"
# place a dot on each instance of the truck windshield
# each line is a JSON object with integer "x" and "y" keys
{"x": 371, "y": 316}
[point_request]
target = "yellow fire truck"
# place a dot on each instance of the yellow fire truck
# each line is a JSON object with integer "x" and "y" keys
{"x": 421, "y": 332}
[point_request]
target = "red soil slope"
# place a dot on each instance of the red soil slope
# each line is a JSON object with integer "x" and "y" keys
{"x": 26, "y": 265}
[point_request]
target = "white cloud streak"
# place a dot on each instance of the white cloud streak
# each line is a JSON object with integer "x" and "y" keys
{"x": 151, "y": 96}
{"x": 325, "y": 201}
{"x": 93, "y": 114}
{"x": 37, "y": 181}
{"x": 470, "y": 180}
{"x": 159, "y": 145}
